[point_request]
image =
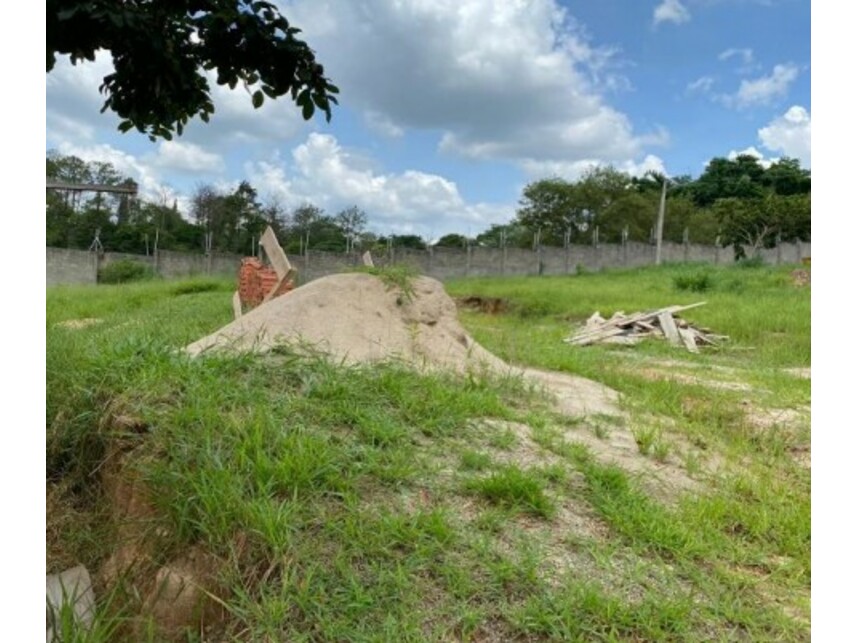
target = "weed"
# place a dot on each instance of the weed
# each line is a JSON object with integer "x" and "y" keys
{"x": 756, "y": 261}
{"x": 645, "y": 438}
{"x": 514, "y": 488}
{"x": 396, "y": 276}
{"x": 197, "y": 286}
{"x": 123, "y": 271}
{"x": 475, "y": 460}
{"x": 661, "y": 450}
{"x": 505, "y": 439}
{"x": 694, "y": 282}
{"x": 692, "y": 463}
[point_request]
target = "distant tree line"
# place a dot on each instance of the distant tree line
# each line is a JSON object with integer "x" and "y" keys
{"x": 736, "y": 202}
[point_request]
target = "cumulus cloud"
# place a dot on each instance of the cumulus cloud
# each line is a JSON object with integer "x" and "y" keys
{"x": 411, "y": 202}
{"x": 574, "y": 170}
{"x": 752, "y": 151}
{"x": 790, "y": 134}
{"x": 763, "y": 90}
{"x": 671, "y": 11}
{"x": 513, "y": 81}
{"x": 151, "y": 186}
{"x": 73, "y": 101}
{"x": 180, "y": 156}
{"x": 74, "y": 111}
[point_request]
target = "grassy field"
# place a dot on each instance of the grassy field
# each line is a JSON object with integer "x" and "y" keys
{"x": 376, "y": 504}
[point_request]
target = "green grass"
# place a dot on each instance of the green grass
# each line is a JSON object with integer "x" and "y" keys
{"x": 368, "y": 503}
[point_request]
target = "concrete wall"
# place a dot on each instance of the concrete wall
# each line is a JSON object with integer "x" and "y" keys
{"x": 71, "y": 267}
{"x": 80, "y": 266}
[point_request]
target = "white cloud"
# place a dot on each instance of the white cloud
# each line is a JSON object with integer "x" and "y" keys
{"x": 179, "y": 156}
{"x": 73, "y": 101}
{"x": 671, "y": 11}
{"x": 410, "y": 202}
{"x": 383, "y": 125}
{"x": 790, "y": 134}
{"x": 752, "y": 151}
{"x": 701, "y": 85}
{"x": 516, "y": 81}
{"x": 745, "y": 54}
{"x": 574, "y": 170}
{"x": 151, "y": 187}
{"x": 763, "y": 90}
{"x": 74, "y": 104}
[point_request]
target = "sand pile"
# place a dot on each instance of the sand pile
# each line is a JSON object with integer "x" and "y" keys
{"x": 357, "y": 318}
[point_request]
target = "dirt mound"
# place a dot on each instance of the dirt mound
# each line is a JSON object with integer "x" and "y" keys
{"x": 358, "y": 318}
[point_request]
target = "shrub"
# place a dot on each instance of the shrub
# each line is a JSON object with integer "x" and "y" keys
{"x": 122, "y": 271}
{"x": 694, "y": 282}
{"x": 755, "y": 261}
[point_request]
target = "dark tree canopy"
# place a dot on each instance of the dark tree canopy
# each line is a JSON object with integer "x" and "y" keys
{"x": 161, "y": 49}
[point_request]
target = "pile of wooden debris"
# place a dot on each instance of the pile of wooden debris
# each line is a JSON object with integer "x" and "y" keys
{"x": 632, "y": 329}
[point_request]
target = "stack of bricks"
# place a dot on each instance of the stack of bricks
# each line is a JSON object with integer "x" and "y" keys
{"x": 256, "y": 281}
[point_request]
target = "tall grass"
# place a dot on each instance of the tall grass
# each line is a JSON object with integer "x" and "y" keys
{"x": 364, "y": 503}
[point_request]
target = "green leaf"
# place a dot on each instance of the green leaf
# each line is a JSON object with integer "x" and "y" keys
{"x": 321, "y": 102}
{"x": 258, "y": 99}
{"x": 308, "y": 109}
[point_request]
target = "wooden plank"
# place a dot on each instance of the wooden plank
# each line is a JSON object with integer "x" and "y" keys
{"x": 689, "y": 338}
{"x": 678, "y": 309}
{"x": 276, "y": 256}
{"x": 668, "y": 326}
{"x": 591, "y": 338}
{"x": 236, "y": 305}
{"x": 628, "y": 340}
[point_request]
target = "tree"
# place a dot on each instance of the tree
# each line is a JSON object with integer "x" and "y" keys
{"x": 452, "y": 240}
{"x": 513, "y": 235}
{"x": 557, "y": 207}
{"x": 740, "y": 178}
{"x": 352, "y": 221}
{"x": 410, "y": 241}
{"x": 551, "y": 206}
{"x": 73, "y": 218}
{"x": 786, "y": 177}
{"x": 759, "y": 223}
{"x": 162, "y": 49}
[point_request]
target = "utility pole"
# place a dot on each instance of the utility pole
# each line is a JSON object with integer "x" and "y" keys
{"x": 659, "y": 232}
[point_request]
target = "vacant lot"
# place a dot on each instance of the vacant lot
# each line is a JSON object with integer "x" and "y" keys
{"x": 312, "y": 501}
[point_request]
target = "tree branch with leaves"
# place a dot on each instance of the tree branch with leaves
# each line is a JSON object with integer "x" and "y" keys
{"x": 162, "y": 50}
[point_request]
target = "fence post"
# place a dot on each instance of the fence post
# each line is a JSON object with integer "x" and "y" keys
{"x": 96, "y": 265}
{"x": 686, "y": 242}
{"x": 625, "y": 246}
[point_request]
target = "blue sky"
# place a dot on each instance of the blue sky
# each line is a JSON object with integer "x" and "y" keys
{"x": 449, "y": 108}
